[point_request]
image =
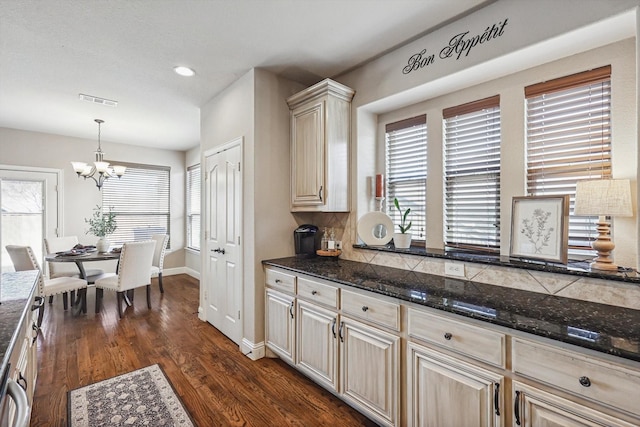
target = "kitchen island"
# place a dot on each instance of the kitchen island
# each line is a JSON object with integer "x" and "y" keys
{"x": 17, "y": 349}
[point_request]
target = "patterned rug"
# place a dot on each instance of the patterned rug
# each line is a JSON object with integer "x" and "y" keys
{"x": 144, "y": 397}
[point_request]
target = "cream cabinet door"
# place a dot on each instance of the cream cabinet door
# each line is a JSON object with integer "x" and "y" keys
{"x": 317, "y": 343}
{"x": 370, "y": 370}
{"x": 443, "y": 391}
{"x": 280, "y": 324}
{"x": 308, "y": 154}
{"x": 536, "y": 408}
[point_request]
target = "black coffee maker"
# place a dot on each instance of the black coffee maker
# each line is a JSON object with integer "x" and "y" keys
{"x": 305, "y": 238}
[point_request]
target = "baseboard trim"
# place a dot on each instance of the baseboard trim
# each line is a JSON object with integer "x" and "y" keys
{"x": 181, "y": 270}
{"x": 251, "y": 350}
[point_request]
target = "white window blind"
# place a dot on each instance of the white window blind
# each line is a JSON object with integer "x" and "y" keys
{"x": 406, "y": 172}
{"x": 472, "y": 175}
{"x": 569, "y": 139}
{"x": 140, "y": 200}
{"x": 193, "y": 207}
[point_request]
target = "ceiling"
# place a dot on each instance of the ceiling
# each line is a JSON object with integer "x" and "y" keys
{"x": 124, "y": 50}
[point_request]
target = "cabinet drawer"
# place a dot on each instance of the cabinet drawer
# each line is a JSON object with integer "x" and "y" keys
{"x": 591, "y": 378}
{"x": 281, "y": 281}
{"x": 319, "y": 293}
{"x": 375, "y": 310}
{"x": 469, "y": 340}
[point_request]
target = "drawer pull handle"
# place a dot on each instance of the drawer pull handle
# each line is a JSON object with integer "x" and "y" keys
{"x": 585, "y": 381}
{"x": 22, "y": 381}
{"x": 365, "y": 308}
{"x": 448, "y": 336}
{"x": 496, "y": 398}
{"x": 291, "y": 309}
{"x": 516, "y": 408}
{"x": 39, "y": 303}
{"x": 314, "y": 292}
{"x": 340, "y": 331}
{"x": 278, "y": 281}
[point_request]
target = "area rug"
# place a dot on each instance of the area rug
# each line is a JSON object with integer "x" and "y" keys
{"x": 144, "y": 397}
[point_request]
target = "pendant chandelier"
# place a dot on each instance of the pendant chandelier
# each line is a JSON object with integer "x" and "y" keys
{"x": 100, "y": 170}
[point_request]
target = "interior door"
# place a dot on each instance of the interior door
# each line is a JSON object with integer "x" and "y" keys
{"x": 29, "y": 210}
{"x": 223, "y": 190}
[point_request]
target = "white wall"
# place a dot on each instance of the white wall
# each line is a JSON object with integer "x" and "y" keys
{"x": 24, "y": 148}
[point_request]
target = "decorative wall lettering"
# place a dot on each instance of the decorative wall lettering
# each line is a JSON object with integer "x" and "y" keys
{"x": 458, "y": 45}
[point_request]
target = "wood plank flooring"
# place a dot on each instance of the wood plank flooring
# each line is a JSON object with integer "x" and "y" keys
{"x": 218, "y": 384}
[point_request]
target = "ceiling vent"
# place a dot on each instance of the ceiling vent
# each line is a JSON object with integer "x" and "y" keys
{"x": 96, "y": 100}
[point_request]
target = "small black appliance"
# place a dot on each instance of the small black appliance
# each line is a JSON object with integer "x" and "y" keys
{"x": 305, "y": 238}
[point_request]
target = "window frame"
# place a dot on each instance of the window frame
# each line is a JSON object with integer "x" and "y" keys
{"x": 189, "y": 214}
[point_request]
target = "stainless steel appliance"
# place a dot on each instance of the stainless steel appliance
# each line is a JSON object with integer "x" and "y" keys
{"x": 305, "y": 238}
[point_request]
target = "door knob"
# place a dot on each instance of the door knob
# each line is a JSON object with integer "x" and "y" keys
{"x": 219, "y": 250}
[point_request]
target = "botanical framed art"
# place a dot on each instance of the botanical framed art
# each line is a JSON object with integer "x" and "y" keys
{"x": 539, "y": 228}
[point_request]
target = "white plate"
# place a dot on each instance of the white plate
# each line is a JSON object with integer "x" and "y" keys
{"x": 370, "y": 226}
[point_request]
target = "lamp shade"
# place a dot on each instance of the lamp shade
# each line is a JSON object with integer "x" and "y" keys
{"x": 610, "y": 197}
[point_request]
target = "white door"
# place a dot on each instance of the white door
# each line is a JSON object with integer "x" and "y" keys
{"x": 29, "y": 206}
{"x": 223, "y": 196}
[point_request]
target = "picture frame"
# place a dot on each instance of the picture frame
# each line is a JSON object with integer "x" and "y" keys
{"x": 539, "y": 228}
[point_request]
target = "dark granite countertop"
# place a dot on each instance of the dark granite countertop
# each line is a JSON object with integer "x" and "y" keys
{"x": 604, "y": 328}
{"x": 15, "y": 303}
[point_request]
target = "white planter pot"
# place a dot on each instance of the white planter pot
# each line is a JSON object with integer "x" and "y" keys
{"x": 402, "y": 241}
{"x": 103, "y": 245}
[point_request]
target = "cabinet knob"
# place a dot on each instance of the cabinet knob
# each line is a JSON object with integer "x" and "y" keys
{"x": 278, "y": 281}
{"x": 314, "y": 292}
{"x": 365, "y": 308}
{"x": 448, "y": 336}
{"x": 585, "y": 381}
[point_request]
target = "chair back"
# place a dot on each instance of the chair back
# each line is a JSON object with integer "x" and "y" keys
{"x": 161, "y": 247}
{"x": 23, "y": 259}
{"x": 59, "y": 244}
{"x": 134, "y": 269}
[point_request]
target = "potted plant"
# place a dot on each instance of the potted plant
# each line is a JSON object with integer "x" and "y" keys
{"x": 102, "y": 224}
{"x": 402, "y": 240}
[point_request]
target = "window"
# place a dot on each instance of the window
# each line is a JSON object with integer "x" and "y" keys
{"x": 472, "y": 175}
{"x": 140, "y": 200}
{"x": 569, "y": 139}
{"x": 406, "y": 170}
{"x": 193, "y": 207}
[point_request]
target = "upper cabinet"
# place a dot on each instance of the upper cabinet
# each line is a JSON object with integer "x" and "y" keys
{"x": 320, "y": 133}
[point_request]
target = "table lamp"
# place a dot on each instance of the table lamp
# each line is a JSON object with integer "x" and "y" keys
{"x": 603, "y": 197}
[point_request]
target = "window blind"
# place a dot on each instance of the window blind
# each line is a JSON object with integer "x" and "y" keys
{"x": 406, "y": 172}
{"x": 140, "y": 200}
{"x": 569, "y": 139}
{"x": 472, "y": 175}
{"x": 193, "y": 207}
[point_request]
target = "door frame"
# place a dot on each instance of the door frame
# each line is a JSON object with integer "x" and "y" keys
{"x": 202, "y": 313}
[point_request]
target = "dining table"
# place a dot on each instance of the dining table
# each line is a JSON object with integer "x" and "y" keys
{"x": 80, "y": 257}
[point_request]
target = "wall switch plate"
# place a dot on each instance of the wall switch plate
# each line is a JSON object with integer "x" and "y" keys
{"x": 339, "y": 245}
{"x": 455, "y": 269}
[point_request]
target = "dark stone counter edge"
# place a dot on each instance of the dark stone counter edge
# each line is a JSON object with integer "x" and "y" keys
{"x": 531, "y": 330}
{"x": 573, "y": 267}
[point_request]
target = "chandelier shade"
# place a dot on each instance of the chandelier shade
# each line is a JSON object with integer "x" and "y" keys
{"x": 100, "y": 171}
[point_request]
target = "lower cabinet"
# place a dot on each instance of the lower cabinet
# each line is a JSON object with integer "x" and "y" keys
{"x": 317, "y": 344}
{"x": 444, "y": 391}
{"x": 536, "y": 408}
{"x": 370, "y": 370}
{"x": 280, "y": 324}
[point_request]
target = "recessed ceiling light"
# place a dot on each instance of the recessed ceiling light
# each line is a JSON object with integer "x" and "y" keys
{"x": 184, "y": 71}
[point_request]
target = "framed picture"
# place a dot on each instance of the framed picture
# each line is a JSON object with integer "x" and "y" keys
{"x": 539, "y": 228}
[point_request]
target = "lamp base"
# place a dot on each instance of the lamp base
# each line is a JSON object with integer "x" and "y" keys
{"x": 603, "y": 246}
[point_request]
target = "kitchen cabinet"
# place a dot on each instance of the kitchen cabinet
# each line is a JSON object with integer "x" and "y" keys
{"x": 445, "y": 391}
{"x": 280, "y": 314}
{"x": 536, "y": 408}
{"x": 320, "y": 133}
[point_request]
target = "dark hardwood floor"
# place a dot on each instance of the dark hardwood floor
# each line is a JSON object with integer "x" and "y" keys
{"x": 218, "y": 385}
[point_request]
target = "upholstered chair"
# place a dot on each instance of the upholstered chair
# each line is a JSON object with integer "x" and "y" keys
{"x": 158, "y": 257}
{"x": 69, "y": 269}
{"x": 134, "y": 271}
{"x": 23, "y": 259}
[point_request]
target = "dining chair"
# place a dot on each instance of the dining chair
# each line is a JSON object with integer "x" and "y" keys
{"x": 158, "y": 257}
{"x": 134, "y": 271}
{"x": 68, "y": 269}
{"x": 23, "y": 259}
